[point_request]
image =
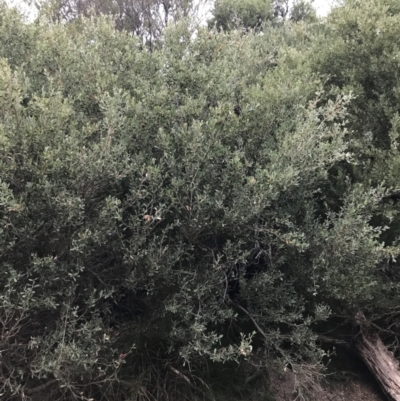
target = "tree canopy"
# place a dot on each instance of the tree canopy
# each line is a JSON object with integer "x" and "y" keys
{"x": 206, "y": 210}
{"x": 230, "y": 14}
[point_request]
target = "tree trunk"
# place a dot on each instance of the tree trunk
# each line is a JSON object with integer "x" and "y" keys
{"x": 380, "y": 361}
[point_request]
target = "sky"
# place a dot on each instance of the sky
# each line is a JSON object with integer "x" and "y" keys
{"x": 322, "y": 6}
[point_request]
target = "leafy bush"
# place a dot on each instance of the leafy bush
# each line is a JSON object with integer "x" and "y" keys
{"x": 163, "y": 214}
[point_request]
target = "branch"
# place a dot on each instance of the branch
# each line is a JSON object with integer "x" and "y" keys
{"x": 260, "y": 330}
{"x": 334, "y": 341}
{"x": 43, "y": 386}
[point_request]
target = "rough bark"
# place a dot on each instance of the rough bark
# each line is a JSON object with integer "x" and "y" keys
{"x": 374, "y": 353}
{"x": 380, "y": 361}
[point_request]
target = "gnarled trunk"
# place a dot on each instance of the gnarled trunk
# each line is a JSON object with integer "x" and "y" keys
{"x": 380, "y": 361}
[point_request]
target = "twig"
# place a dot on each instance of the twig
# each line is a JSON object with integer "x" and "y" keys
{"x": 43, "y": 386}
{"x": 180, "y": 374}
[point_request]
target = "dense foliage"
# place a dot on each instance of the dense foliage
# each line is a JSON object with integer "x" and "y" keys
{"x": 200, "y": 211}
{"x": 143, "y": 18}
{"x": 230, "y": 14}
